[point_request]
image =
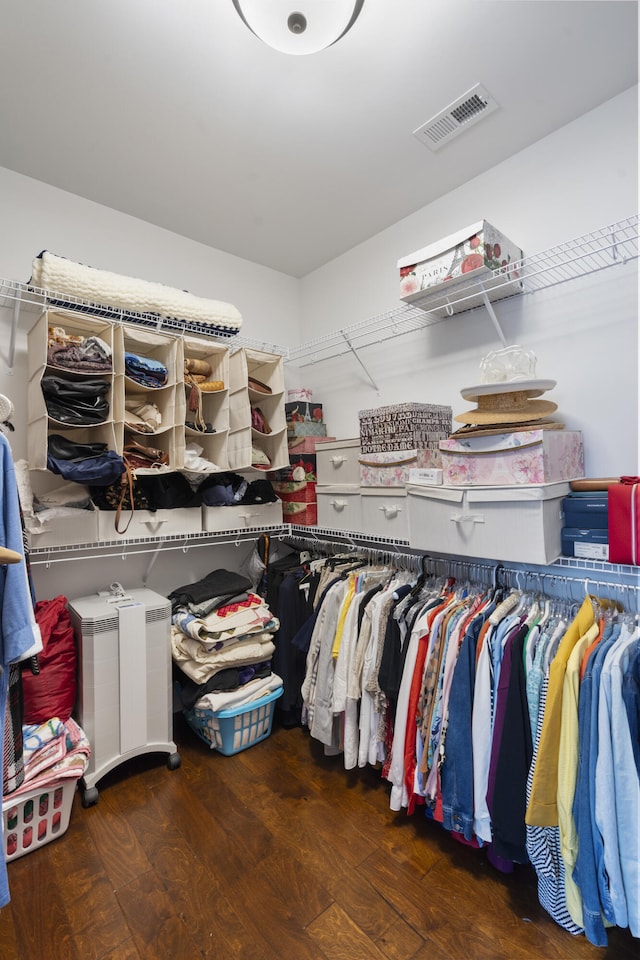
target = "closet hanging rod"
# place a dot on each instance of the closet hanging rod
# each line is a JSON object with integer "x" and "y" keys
{"x": 523, "y": 578}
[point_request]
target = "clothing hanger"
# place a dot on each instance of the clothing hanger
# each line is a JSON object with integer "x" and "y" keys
{"x": 9, "y": 556}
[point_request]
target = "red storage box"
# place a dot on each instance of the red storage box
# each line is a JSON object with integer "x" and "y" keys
{"x": 292, "y": 491}
{"x": 302, "y": 514}
{"x": 624, "y": 523}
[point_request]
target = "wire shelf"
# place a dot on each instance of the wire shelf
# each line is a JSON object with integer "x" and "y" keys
{"x": 35, "y": 300}
{"x": 132, "y": 546}
{"x": 613, "y": 245}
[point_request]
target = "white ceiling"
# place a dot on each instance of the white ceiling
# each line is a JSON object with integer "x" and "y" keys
{"x": 176, "y": 113}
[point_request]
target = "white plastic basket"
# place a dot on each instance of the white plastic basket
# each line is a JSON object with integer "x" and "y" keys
{"x": 32, "y": 819}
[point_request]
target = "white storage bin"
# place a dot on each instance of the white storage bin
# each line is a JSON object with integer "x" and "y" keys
{"x": 384, "y": 513}
{"x": 81, "y": 527}
{"x": 147, "y": 523}
{"x": 337, "y": 461}
{"x": 216, "y": 519}
{"x": 517, "y": 524}
{"x": 339, "y": 508}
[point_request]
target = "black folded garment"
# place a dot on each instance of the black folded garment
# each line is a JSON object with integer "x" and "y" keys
{"x": 231, "y": 678}
{"x": 221, "y": 584}
{"x": 76, "y": 402}
{"x": 63, "y": 449}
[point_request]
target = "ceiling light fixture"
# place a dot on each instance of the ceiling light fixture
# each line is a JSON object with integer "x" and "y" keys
{"x": 299, "y": 26}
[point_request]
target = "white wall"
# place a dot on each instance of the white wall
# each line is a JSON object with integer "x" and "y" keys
{"x": 581, "y": 178}
{"x": 584, "y": 332}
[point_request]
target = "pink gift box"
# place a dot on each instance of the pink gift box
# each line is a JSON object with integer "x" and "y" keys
{"x": 305, "y": 444}
{"x": 521, "y": 457}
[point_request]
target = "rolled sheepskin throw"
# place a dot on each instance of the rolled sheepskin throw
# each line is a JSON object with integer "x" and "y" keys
{"x": 112, "y": 290}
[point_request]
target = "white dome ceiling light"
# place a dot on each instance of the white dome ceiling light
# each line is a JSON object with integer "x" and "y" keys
{"x": 299, "y": 26}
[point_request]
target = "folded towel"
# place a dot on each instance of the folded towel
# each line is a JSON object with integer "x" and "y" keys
{"x": 61, "y": 276}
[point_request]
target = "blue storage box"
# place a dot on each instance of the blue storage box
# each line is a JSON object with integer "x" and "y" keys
{"x": 586, "y": 510}
{"x": 589, "y": 544}
{"x": 230, "y": 731}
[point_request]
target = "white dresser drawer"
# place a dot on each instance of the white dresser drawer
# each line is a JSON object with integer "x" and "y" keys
{"x": 384, "y": 513}
{"x": 337, "y": 462}
{"x": 339, "y": 508}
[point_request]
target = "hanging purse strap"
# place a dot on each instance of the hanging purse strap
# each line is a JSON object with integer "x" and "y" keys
{"x": 126, "y": 484}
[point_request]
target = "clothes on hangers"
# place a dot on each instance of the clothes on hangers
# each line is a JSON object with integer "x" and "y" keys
{"x": 471, "y": 704}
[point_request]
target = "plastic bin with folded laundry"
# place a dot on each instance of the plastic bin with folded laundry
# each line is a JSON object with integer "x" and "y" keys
{"x": 222, "y": 648}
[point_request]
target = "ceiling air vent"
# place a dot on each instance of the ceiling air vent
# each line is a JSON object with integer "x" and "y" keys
{"x": 458, "y": 116}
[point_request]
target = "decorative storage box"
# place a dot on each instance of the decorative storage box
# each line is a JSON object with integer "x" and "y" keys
{"x": 339, "y": 508}
{"x": 298, "y": 445}
{"x": 518, "y": 524}
{"x": 230, "y": 731}
{"x": 442, "y": 268}
{"x": 302, "y": 514}
{"x": 384, "y": 513}
{"x": 299, "y": 410}
{"x": 295, "y": 491}
{"x": 307, "y": 463}
{"x": 587, "y": 544}
{"x": 299, "y": 393}
{"x": 306, "y": 428}
{"x": 215, "y": 519}
{"x": 32, "y": 819}
{"x": 392, "y": 469}
{"x": 524, "y": 456}
{"x": 405, "y": 426}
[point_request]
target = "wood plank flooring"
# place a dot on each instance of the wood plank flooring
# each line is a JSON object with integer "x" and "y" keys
{"x": 277, "y": 853}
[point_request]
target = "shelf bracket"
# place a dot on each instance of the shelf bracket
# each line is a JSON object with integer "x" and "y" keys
{"x": 152, "y": 560}
{"x": 492, "y": 314}
{"x": 356, "y": 355}
{"x": 12, "y": 336}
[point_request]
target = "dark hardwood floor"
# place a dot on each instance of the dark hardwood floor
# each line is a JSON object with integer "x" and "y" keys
{"x": 276, "y": 853}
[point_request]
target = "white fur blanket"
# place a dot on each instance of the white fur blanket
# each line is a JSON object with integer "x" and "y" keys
{"x": 58, "y": 275}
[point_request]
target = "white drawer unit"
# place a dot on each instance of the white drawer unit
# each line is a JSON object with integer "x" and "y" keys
{"x": 518, "y": 524}
{"x": 337, "y": 462}
{"x": 339, "y": 507}
{"x": 384, "y": 513}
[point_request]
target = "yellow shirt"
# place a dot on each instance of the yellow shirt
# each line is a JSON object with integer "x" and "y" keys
{"x": 346, "y": 603}
{"x": 568, "y": 771}
{"x": 543, "y": 803}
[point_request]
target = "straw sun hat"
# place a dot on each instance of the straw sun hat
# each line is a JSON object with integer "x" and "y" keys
{"x": 507, "y": 403}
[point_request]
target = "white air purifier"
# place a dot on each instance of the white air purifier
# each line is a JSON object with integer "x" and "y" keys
{"x": 124, "y": 682}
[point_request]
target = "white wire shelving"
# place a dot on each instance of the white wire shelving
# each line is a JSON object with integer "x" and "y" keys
{"x": 565, "y": 568}
{"x": 24, "y": 297}
{"x": 610, "y": 246}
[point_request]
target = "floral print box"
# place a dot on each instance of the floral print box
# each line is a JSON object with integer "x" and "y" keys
{"x": 521, "y": 457}
{"x": 441, "y": 269}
